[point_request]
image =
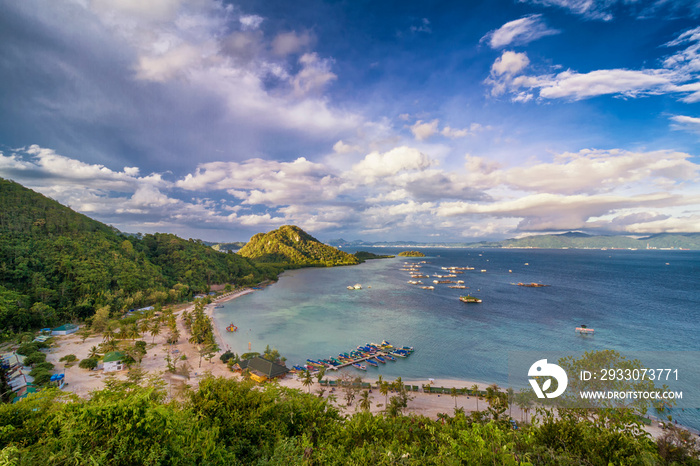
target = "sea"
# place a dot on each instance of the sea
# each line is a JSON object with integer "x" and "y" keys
{"x": 639, "y": 302}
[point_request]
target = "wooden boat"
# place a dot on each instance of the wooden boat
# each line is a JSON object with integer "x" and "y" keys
{"x": 389, "y": 357}
{"x": 469, "y": 299}
{"x": 380, "y": 359}
{"x": 359, "y": 366}
{"x": 372, "y": 363}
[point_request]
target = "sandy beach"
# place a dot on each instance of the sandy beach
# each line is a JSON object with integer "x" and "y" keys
{"x": 191, "y": 368}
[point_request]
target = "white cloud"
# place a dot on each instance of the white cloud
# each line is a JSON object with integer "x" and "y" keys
{"x": 519, "y": 32}
{"x": 267, "y": 182}
{"x": 680, "y": 76}
{"x": 422, "y": 130}
{"x": 377, "y": 165}
{"x": 602, "y": 10}
{"x": 251, "y": 21}
{"x": 315, "y": 73}
{"x": 587, "y": 171}
{"x": 686, "y": 123}
{"x": 509, "y": 63}
{"x": 341, "y": 148}
{"x": 288, "y": 43}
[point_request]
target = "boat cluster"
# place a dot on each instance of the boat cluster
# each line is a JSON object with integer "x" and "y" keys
{"x": 372, "y": 353}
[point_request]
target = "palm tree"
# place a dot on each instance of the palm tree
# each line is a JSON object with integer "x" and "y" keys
{"x": 155, "y": 330}
{"x": 307, "y": 380}
{"x": 475, "y": 390}
{"x": 454, "y": 395}
{"x": 365, "y": 401}
{"x": 320, "y": 374}
{"x": 511, "y": 398}
{"x": 108, "y": 334}
{"x": 94, "y": 352}
{"x": 384, "y": 390}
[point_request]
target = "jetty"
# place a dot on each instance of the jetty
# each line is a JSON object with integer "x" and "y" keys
{"x": 363, "y": 353}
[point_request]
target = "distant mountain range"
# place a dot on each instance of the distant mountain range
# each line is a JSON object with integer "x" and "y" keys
{"x": 574, "y": 240}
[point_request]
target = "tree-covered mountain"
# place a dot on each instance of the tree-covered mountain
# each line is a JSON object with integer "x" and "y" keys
{"x": 57, "y": 264}
{"x": 292, "y": 246}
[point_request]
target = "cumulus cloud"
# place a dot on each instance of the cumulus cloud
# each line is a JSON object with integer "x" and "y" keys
{"x": 679, "y": 76}
{"x": 587, "y": 171}
{"x": 377, "y": 165}
{"x": 272, "y": 183}
{"x": 287, "y": 43}
{"x": 423, "y": 131}
{"x": 315, "y": 73}
{"x": 519, "y": 32}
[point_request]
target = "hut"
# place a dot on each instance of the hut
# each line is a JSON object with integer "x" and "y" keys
{"x": 262, "y": 370}
{"x": 113, "y": 361}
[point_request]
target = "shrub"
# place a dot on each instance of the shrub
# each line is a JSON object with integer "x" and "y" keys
{"x": 88, "y": 363}
{"x": 68, "y": 358}
{"x": 34, "y": 358}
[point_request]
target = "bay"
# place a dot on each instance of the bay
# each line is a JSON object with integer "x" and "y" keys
{"x": 645, "y": 300}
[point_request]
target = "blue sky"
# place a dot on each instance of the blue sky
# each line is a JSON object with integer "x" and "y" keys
{"x": 444, "y": 121}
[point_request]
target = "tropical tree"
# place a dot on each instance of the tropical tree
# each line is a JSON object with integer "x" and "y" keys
{"x": 384, "y": 390}
{"x": 475, "y": 390}
{"x": 307, "y": 379}
{"x": 155, "y": 330}
{"x": 365, "y": 401}
{"x": 454, "y": 395}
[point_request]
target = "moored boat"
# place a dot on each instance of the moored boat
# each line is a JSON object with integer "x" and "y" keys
{"x": 359, "y": 366}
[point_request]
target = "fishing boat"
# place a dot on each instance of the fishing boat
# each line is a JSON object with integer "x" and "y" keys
{"x": 584, "y": 330}
{"x": 359, "y": 366}
{"x": 389, "y": 357}
{"x": 372, "y": 363}
{"x": 431, "y": 287}
{"x": 398, "y": 355}
{"x": 380, "y": 359}
{"x": 469, "y": 299}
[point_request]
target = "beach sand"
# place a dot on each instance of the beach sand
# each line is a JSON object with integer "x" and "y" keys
{"x": 81, "y": 382}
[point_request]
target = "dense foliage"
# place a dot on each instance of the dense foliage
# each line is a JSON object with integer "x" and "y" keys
{"x": 229, "y": 422}
{"x": 365, "y": 256}
{"x": 291, "y": 246}
{"x": 56, "y": 264}
{"x": 411, "y": 254}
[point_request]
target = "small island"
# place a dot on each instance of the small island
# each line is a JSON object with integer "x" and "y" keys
{"x": 411, "y": 254}
{"x": 365, "y": 256}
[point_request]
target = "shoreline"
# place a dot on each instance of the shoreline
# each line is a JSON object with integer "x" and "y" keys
{"x": 83, "y": 382}
{"x": 209, "y": 311}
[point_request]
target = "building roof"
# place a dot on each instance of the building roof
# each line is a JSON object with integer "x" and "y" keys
{"x": 65, "y": 327}
{"x": 113, "y": 356}
{"x": 263, "y": 367}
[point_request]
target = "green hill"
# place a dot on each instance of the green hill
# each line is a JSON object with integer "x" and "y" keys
{"x": 57, "y": 264}
{"x": 290, "y": 245}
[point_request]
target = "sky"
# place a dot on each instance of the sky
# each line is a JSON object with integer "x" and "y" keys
{"x": 383, "y": 121}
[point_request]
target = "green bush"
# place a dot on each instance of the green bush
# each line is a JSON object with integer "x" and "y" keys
{"x": 69, "y": 358}
{"x": 34, "y": 358}
{"x": 88, "y": 363}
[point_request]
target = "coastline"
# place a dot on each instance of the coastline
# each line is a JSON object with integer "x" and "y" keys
{"x": 209, "y": 311}
{"x": 82, "y": 382}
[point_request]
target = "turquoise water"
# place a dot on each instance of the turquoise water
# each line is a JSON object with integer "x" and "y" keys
{"x": 635, "y": 300}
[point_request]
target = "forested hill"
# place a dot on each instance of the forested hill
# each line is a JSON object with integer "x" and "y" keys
{"x": 57, "y": 264}
{"x": 290, "y": 245}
